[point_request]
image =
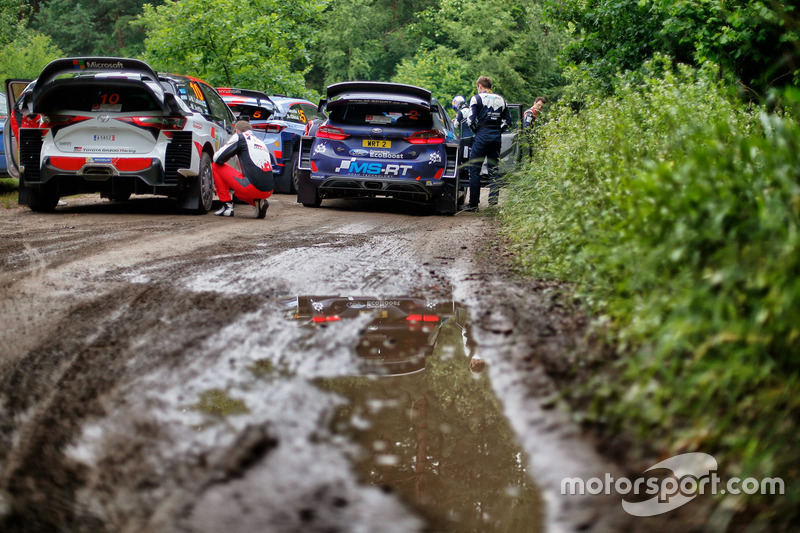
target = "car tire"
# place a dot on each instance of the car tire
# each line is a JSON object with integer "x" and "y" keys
{"x": 307, "y": 192}
{"x": 291, "y": 171}
{"x": 119, "y": 196}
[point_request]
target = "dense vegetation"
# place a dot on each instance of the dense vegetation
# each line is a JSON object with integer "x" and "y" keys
{"x": 664, "y": 185}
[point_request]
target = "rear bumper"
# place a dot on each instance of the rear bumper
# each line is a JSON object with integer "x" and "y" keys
{"x": 352, "y": 187}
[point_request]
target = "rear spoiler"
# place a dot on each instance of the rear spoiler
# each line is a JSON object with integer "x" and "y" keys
{"x": 94, "y": 64}
{"x": 76, "y": 65}
{"x": 371, "y": 89}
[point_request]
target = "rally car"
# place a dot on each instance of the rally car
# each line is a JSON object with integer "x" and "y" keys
{"x": 401, "y": 332}
{"x": 279, "y": 121}
{"x": 381, "y": 140}
{"x": 113, "y": 126}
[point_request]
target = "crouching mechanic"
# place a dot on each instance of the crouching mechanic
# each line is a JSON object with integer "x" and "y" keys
{"x": 255, "y": 183}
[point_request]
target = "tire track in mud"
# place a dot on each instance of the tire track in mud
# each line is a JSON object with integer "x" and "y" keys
{"x": 60, "y": 384}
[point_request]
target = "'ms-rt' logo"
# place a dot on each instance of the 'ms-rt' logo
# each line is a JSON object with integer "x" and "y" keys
{"x": 354, "y": 167}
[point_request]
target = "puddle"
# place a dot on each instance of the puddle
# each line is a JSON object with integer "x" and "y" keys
{"x": 424, "y": 416}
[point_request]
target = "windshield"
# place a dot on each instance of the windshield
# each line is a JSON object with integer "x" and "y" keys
{"x": 389, "y": 114}
{"x": 99, "y": 97}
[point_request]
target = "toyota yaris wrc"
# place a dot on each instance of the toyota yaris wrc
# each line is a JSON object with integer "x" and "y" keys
{"x": 114, "y": 126}
{"x": 381, "y": 140}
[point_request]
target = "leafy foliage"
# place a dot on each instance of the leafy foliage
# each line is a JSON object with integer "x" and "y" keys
{"x": 676, "y": 213}
{"x": 753, "y": 41}
{"x": 256, "y": 44}
{"x": 26, "y": 56}
{"x": 92, "y": 27}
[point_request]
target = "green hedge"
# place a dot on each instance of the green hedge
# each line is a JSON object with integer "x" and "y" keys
{"x": 676, "y": 214}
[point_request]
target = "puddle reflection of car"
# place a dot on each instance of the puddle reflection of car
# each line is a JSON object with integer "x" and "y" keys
{"x": 381, "y": 140}
{"x": 401, "y": 332}
{"x": 279, "y": 121}
{"x": 113, "y": 126}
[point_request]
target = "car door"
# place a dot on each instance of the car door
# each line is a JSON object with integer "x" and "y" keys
{"x": 509, "y": 148}
{"x": 14, "y": 89}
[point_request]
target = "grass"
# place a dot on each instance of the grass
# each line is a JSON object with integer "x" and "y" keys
{"x": 8, "y": 192}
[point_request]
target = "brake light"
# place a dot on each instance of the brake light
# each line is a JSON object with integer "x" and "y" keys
{"x": 422, "y": 318}
{"x": 319, "y": 319}
{"x": 269, "y": 128}
{"x": 332, "y": 132}
{"x": 52, "y": 121}
{"x": 161, "y": 123}
{"x": 426, "y": 137}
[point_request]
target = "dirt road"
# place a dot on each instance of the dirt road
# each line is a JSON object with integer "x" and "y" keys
{"x": 150, "y": 380}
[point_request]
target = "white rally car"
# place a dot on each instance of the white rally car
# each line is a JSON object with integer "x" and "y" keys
{"x": 113, "y": 126}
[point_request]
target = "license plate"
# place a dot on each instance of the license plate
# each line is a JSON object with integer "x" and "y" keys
{"x": 369, "y": 143}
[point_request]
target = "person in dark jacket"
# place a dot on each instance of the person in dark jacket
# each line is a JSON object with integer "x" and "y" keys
{"x": 488, "y": 118}
{"x": 254, "y": 184}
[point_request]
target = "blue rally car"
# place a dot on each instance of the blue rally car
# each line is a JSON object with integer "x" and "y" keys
{"x": 381, "y": 140}
{"x": 279, "y": 121}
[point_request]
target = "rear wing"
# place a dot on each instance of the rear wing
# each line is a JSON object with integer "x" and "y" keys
{"x": 374, "y": 90}
{"x": 109, "y": 65}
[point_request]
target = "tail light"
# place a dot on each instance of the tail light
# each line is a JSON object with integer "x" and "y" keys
{"x": 50, "y": 121}
{"x": 427, "y": 137}
{"x": 332, "y": 318}
{"x": 422, "y": 318}
{"x": 332, "y": 132}
{"x": 161, "y": 123}
{"x": 269, "y": 128}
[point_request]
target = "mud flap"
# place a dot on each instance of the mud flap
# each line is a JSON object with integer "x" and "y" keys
{"x": 307, "y": 191}
{"x": 447, "y": 201}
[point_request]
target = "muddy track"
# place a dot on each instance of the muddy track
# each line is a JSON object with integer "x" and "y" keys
{"x": 121, "y": 319}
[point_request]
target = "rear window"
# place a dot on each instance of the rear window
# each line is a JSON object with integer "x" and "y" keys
{"x": 103, "y": 97}
{"x": 252, "y": 111}
{"x": 369, "y": 114}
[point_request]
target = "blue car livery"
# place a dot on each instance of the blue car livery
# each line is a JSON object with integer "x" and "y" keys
{"x": 381, "y": 140}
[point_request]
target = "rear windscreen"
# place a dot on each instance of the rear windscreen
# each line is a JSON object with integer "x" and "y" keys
{"x": 102, "y": 97}
{"x": 251, "y": 111}
{"x": 371, "y": 114}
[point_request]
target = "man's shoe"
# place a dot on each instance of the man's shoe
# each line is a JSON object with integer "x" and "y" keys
{"x": 469, "y": 208}
{"x": 226, "y": 210}
{"x": 261, "y": 208}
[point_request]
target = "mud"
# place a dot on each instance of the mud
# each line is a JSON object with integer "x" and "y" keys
{"x": 150, "y": 381}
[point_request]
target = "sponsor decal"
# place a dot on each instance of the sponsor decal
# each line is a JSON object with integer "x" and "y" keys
{"x": 197, "y": 126}
{"x": 104, "y": 138}
{"x": 384, "y": 154}
{"x": 64, "y": 143}
{"x": 98, "y": 160}
{"x": 383, "y": 303}
{"x": 321, "y": 148}
{"x": 436, "y": 157}
{"x": 80, "y": 64}
{"x": 104, "y": 150}
{"x": 358, "y": 152}
{"x": 373, "y": 169}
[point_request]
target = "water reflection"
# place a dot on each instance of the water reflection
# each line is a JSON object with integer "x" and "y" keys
{"x": 430, "y": 427}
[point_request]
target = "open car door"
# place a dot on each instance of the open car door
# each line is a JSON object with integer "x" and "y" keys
{"x": 14, "y": 89}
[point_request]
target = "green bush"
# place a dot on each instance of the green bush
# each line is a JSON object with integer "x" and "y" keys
{"x": 676, "y": 214}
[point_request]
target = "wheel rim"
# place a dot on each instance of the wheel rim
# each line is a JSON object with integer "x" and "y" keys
{"x": 206, "y": 187}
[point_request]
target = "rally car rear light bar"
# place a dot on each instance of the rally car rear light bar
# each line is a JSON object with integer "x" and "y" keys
{"x": 422, "y": 318}
{"x": 426, "y": 137}
{"x": 269, "y": 128}
{"x": 332, "y": 132}
{"x": 50, "y": 121}
{"x": 161, "y": 123}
